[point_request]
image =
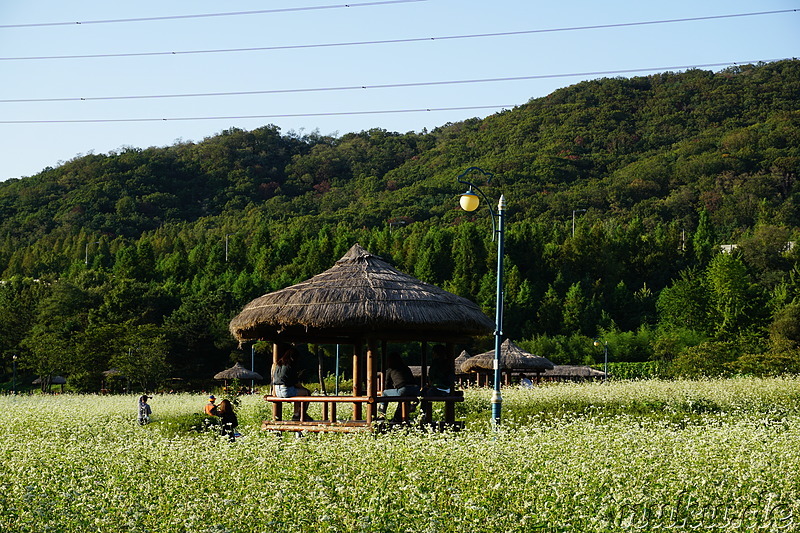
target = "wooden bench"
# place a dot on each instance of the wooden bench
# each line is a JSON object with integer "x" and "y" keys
{"x": 329, "y": 421}
{"x": 425, "y": 406}
{"x": 329, "y": 404}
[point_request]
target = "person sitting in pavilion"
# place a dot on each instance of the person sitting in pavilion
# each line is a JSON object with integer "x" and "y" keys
{"x": 285, "y": 379}
{"x": 398, "y": 381}
{"x": 441, "y": 375}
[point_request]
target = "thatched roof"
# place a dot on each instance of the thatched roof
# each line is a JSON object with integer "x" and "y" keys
{"x": 416, "y": 370}
{"x": 361, "y": 295}
{"x": 462, "y": 357}
{"x": 237, "y": 371}
{"x": 574, "y": 371}
{"x": 54, "y": 380}
{"x": 512, "y": 357}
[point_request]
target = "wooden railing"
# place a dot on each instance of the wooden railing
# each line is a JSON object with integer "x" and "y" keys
{"x": 330, "y": 422}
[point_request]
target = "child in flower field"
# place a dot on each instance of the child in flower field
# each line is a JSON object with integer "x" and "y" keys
{"x": 228, "y": 420}
{"x": 211, "y": 408}
{"x": 144, "y": 410}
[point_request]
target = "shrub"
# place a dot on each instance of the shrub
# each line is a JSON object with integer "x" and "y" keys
{"x": 709, "y": 359}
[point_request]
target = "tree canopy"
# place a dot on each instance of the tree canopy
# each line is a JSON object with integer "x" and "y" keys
{"x": 656, "y": 172}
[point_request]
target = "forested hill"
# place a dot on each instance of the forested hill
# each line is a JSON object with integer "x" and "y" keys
{"x": 655, "y": 172}
{"x": 655, "y": 147}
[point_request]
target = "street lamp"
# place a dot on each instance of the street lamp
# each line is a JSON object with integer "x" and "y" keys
{"x": 14, "y": 379}
{"x": 469, "y": 202}
{"x": 573, "y": 218}
{"x": 605, "y": 357}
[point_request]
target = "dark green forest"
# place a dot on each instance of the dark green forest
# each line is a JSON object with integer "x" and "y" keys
{"x": 656, "y": 213}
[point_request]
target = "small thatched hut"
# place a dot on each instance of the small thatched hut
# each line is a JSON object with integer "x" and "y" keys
{"x": 462, "y": 377}
{"x": 237, "y": 371}
{"x": 514, "y": 362}
{"x": 572, "y": 373}
{"x": 361, "y": 301}
{"x": 47, "y": 383}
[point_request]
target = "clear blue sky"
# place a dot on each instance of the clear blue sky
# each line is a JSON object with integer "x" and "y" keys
{"x": 25, "y": 149}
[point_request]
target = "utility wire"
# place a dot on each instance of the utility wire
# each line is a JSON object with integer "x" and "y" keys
{"x": 382, "y": 86}
{"x": 399, "y": 41}
{"x": 206, "y": 15}
{"x": 241, "y": 117}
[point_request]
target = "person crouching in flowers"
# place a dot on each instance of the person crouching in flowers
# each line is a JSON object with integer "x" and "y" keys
{"x": 144, "y": 410}
{"x": 227, "y": 419}
{"x": 211, "y": 408}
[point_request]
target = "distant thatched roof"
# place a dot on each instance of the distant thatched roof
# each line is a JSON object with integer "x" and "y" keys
{"x": 237, "y": 371}
{"x": 361, "y": 295}
{"x": 574, "y": 371}
{"x": 416, "y": 370}
{"x": 462, "y": 357}
{"x": 54, "y": 380}
{"x": 512, "y": 357}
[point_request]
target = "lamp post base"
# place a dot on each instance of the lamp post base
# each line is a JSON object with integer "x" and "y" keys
{"x": 497, "y": 406}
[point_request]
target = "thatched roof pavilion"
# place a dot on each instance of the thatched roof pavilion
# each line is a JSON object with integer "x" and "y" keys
{"x": 46, "y": 382}
{"x": 573, "y": 373}
{"x": 54, "y": 380}
{"x": 361, "y": 300}
{"x": 462, "y": 357}
{"x": 513, "y": 360}
{"x": 512, "y": 357}
{"x": 362, "y": 295}
{"x": 237, "y": 371}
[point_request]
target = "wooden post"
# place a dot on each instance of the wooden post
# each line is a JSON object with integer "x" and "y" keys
{"x": 277, "y": 408}
{"x": 372, "y": 379}
{"x": 382, "y": 370}
{"x": 405, "y": 411}
{"x": 357, "y": 378}
{"x": 424, "y": 369}
{"x": 449, "y": 407}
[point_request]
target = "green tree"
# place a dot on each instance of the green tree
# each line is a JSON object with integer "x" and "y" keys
{"x": 734, "y": 300}
{"x": 143, "y": 356}
{"x": 704, "y": 240}
{"x": 550, "y": 315}
{"x": 685, "y": 304}
{"x": 574, "y": 309}
{"x": 468, "y": 257}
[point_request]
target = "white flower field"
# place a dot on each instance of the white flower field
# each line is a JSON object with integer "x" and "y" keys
{"x": 718, "y": 455}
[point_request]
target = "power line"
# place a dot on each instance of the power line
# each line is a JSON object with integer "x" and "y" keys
{"x": 206, "y": 15}
{"x": 398, "y": 41}
{"x": 383, "y": 86}
{"x": 242, "y": 117}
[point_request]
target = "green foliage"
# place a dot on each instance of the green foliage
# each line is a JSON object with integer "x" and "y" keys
{"x": 709, "y": 359}
{"x": 634, "y": 346}
{"x": 142, "y": 357}
{"x": 782, "y": 357}
{"x": 640, "y": 370}
{"x": 663, "y": 170}
{"x": 670, "y": 342}
{"x": 575, "y": 349}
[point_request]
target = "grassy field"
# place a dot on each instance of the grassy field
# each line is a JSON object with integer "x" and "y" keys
{"x": 625, "y": 456}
